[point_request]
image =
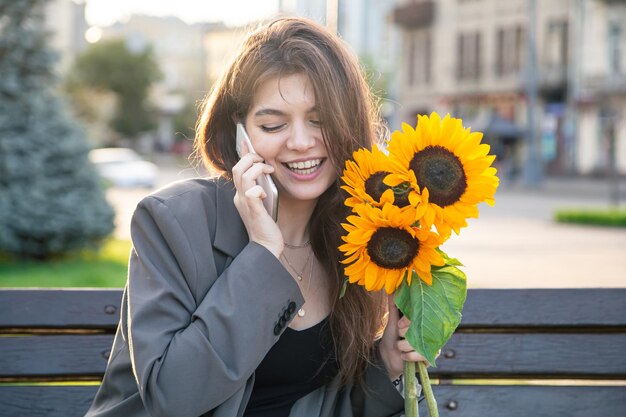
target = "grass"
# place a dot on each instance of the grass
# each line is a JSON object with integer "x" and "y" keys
{"x": 596, "y": 217}
{"x": 104, "y": 268}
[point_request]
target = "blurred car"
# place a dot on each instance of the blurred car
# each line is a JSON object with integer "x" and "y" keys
{"x": 123, "y": 167}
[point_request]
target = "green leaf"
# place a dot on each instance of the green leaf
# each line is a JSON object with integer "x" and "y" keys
{"x": 343, "y": 289}
{"x": 449, "y": 261}
{"x": 434, "y": 310}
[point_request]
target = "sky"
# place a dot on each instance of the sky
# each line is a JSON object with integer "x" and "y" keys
{"x": 231, "y": 12}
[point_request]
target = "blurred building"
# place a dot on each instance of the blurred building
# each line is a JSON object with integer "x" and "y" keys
{"x": 65, "y": 20}
{"x": 220, "y": 44}
{"x": 469, "y": 58}
{"x": 179, "y": 52}
{"x": 367, "y": 27}
{"x": 312, "y": 9}
{"x": 599, "y": 85}
{"x": 177, "y": 47}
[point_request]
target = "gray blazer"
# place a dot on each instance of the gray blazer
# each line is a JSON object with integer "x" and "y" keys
{"x": 201, "y": 308}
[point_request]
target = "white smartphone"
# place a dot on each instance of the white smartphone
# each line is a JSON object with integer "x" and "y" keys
{"x": 265, "y": 181}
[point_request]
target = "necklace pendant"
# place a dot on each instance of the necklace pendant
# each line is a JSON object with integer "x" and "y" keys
{"x": 299, "y": 277}
{"x": 301, "y": 312}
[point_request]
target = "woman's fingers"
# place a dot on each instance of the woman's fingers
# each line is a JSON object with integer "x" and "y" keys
{"x": 414, "y": 357}
{"x": 255, "y": 192}
{"x": 245, "y": 175}
{"x": 241, "y": 167}
{"x": 248, "y": 200}
{"x": 403, "y": 326}
{"x": 251, "y": 193}
{"x": 409, "y": 354}
{"x": 403, "y": 345}
{"x": 249, "y": 177}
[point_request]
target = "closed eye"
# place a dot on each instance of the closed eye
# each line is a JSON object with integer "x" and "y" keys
{"x": 272, "y": 128}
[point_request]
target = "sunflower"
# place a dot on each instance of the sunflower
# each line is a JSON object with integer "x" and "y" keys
{"x": 383, "y": 247}
{"x": 448, "y": 166}
{"x": 363, "y": 178}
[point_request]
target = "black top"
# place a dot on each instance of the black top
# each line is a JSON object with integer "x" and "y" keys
{"x": 299, "y": 363}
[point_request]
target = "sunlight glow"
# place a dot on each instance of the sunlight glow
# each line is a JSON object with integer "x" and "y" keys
{"x": 93, "y": 34}
{"x": 231, "y": 12}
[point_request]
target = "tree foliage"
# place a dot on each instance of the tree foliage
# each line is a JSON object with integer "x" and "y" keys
{"x": 51, "y": 201}
{"x": 111, "y": 66}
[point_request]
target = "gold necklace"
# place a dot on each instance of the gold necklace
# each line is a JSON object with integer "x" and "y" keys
{"x": 299, "y": 275}
{"x": 301, "y": 311}
{"x": 304, "y": 245}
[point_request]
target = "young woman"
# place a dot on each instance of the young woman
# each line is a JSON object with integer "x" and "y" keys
{"x": 228, "y": 313}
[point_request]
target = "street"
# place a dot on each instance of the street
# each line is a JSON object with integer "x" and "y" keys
{"x": 512, "y": 245}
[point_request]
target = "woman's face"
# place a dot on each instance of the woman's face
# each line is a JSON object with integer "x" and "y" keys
{"x": 284, "y": 128}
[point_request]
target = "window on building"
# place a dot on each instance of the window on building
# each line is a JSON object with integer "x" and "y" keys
{"x": 420, "y": 58}
{"x": 520, "y": 47}
{"x": 428, "y": 62}
{"x": 410, "y": 70}
{"x": 509, "y": 50}
{"x": 468, "y": 64}
{"x": 500, "y": 52}
{"x": 556, "y": 46}
{"x": 615, "y": 45}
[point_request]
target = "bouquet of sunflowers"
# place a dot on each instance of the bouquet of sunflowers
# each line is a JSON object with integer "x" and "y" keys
{"x": 405, "y": 203}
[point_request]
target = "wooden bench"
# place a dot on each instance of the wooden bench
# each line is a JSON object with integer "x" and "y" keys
{"x": 516, "y": 353}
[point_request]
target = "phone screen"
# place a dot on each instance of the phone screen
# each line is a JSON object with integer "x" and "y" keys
{"x": 265, "y": 181}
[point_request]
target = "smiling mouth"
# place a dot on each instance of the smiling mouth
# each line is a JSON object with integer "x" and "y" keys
{"x": 304, "y": 167}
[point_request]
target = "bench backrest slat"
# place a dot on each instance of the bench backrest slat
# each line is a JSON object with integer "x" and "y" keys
{"x": 483, "y": 308}
{"x": 60, "y": 308}
{"x": 45, "y": 401}
{"x": 524, "y": 401}
{"x": 55, "y": 356}
{"x": 466, "y": 355}
{"x": 533, "y": 355}
{"x": 579, "y": 307}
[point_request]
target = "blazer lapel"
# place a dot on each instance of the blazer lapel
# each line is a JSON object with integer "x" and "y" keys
{"x": 231, "y": 235}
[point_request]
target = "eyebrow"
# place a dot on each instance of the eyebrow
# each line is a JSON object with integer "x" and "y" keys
{"x": 275, "y": 112}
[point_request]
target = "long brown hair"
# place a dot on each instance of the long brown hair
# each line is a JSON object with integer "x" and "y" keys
{"x": 349, "y": 120}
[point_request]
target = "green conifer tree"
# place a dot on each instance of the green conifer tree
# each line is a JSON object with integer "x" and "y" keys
{"x": 51, "y": 201}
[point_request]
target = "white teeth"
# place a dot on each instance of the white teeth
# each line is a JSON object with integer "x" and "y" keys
{"x": 305, "y": 165}
{"x": 306, "y": 171}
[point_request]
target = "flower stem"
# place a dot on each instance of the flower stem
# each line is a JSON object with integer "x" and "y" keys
{"x": 410, "y": 390}
{"x": 431, "y": 403}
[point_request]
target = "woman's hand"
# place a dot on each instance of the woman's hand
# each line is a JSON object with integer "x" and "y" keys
{"x": 394, "y": 348}
{"x": 249, "y": 202}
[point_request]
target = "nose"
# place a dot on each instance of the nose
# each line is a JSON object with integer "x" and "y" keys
{"x": 301, "y": 138}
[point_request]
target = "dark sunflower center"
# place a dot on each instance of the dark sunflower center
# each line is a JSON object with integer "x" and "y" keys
{"x": 392, "y": 248}
{"x": 401, "y": 195}
{"x": 439, "y": 170}
{"x": 375, "y": 187}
